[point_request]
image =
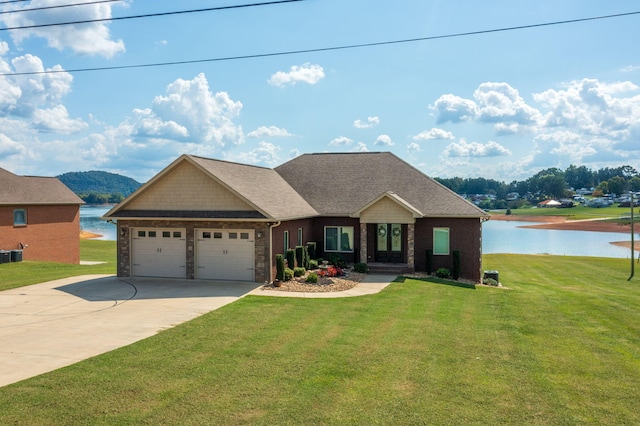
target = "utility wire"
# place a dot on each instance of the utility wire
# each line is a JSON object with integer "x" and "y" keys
{"x": 149, "y": 15}
{"x": 328, "y": 49}
{"x": 12, "y": 1}
{"x": 4, "y": 12}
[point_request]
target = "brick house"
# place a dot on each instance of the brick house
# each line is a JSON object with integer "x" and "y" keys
{"x": 40, "y": 216}
{"x": 202, "y": 218}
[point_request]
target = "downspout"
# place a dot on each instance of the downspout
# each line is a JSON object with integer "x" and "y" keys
{"x": 271, "y": 226}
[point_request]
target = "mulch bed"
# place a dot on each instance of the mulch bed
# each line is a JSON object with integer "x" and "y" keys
{"x": 324, "y": 284}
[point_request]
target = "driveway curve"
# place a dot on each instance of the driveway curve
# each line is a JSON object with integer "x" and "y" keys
{"x": 47, "y": 326}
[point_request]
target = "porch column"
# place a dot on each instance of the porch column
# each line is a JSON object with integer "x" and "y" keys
{"x": 411, "y": 246}
{"x": 363, "y": 242}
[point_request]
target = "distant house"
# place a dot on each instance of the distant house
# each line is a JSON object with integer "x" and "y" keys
{"x": 549, "y": 203}
{"x": 40, "y": 216}
{"x": 513, "y": 196}
{"x": 202, "y": 218}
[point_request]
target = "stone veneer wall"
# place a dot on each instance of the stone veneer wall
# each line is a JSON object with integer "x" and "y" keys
{"x": 261, "y": 255}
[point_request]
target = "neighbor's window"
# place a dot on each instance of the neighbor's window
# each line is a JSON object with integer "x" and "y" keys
{"x": 440, "y": 240}
{"x": 19, "y": 217}
{"x": 338, "y": 238}
{"x": 299, "y": 236}
{"x": 286, "y": 241}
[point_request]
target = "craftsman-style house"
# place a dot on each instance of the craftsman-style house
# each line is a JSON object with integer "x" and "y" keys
{"x": 202, "y": 218}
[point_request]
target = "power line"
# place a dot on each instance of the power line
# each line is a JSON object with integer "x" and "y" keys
{"x": 12, "y": 1}
{"x": 4, "y": 12}
{"x": 328, "y": 49}
{"x": 149, "y": 15}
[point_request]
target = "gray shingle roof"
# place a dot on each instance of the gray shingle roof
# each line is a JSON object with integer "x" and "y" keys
{"x": 29, "y": 190}
{"x": 340, "y": 184}
{"x": 261, "y": 187}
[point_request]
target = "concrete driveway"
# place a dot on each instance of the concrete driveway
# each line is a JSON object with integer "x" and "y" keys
{"x": 50, "y": 325}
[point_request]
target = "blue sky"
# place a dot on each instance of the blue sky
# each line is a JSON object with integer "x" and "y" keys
{"x": 499, "y": 105}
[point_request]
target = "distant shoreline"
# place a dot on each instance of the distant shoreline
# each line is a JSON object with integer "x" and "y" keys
{"x": 561, "y": 223}
{"x": 86, "y": 235}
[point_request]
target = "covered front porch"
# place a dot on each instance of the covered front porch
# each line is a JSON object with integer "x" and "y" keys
{"x": 387, "y": 234}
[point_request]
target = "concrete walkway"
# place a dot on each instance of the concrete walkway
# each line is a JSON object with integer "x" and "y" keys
{"x": 47, "y": 326}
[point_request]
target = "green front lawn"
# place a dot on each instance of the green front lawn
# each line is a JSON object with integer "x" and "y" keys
{"x": 561, "y": 347}
{"x": 19, "y": 274}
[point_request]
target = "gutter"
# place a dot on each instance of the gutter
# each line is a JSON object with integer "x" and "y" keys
{"x": 271, "y": 226}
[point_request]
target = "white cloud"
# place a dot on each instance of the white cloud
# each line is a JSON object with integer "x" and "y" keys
{"x": 92, "y": 38}
{"x": 341, "y": 141}
{"x": 630, "y": 68}
{"x": 371, "y": 122}
{"x": 295, "y": 152}
{"x": 265, "y": 154}
{"x": 189, "y": 112}
{"x": 592, "y": 107}
{"x": 9, "y": 148}
{"x": 272, "y": 131}
{"x": 384, "y": 140}
{"x": 413, "y": 147}
{"x": 305, "y": 73}
{"x": 475, "y": 149}
{"x": 37, "y": 99}
{"x": 434, "y": 133}
{"x": 499, "y": 103}
{"x": 57, "y": 120}
{"x": 361, "y": 147}
{"x": 454, "y": 109}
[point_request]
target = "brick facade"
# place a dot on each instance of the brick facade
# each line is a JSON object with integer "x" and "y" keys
{"x": 52, "y": 232}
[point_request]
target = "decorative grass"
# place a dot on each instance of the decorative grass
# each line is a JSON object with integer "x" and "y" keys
{"x": 19, "y": 274}
{"x": 561, "y": 347}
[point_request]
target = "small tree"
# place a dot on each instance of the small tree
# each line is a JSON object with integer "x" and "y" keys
{"x": 300, "y": 255}
{"x": 455, "y": 271}
{"x": 279, "y": 267}
{"x": 311, "y": 247}
{"x": 291, "y": 258}
{"x": 429, "y": 261}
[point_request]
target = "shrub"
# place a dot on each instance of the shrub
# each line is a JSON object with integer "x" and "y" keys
{"x": 313, "y": 264}
{"x": 300, "y": 255}
{"x": 361, "y": 268}
{"x": 337, "y": 260}
{"x": 280, "y": 267}
{"x": 312, "y": 278}
{"x": 455, "y": 271}
{"x": 508, "y": 212}
{"x": 490, "y": 281}
{"x": 305, "y": 257}
{"x": 429, "y": 261}
{"x": 298, "y": 272}
{"x": 291, "y": 258}
{"x": 311, "y": 248}
{"x": 288, "y": 274}
{"x": 443, "y": 273}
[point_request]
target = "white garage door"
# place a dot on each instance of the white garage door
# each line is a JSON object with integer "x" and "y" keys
{"x": 159, "y": 252}
{"x": 225, "y": 254}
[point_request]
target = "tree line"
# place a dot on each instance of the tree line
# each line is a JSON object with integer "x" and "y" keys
{"x": 551, "y": 183}
{"x": 97, "y": 187}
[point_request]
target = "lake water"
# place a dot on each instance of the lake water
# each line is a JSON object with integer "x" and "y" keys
{"x": 90, "y": 221}
{"x": 498, "y": 236}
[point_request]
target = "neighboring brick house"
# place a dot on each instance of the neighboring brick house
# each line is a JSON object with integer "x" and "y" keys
{"x": 211, "y": 219}
{"x": 41, "y": 217}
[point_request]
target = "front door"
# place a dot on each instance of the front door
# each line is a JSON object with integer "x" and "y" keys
{"x": 389, "y": 243}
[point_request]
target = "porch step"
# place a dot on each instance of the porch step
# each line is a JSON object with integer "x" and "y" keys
{"x": 390, "y": 268}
